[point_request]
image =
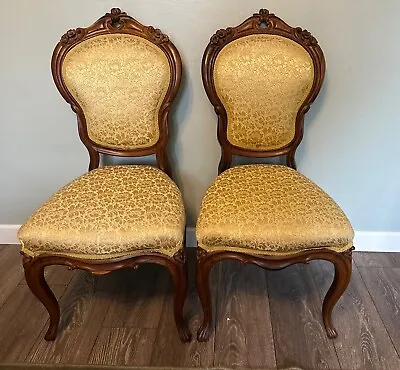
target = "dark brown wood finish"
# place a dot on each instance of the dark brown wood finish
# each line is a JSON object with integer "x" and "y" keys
{"x": 84, "y": 298}
{"x": 294, "y": 296}
{"x": 114, "y": 22}
{"x": 119, "y": 22}
{"x": 16, "y": 347}
{"x": 10, "y": 273}
{"x": 265, "y": 22}
{"x": 364, "y": 342}
{"x": 384, "y": 287}
{"x": 244, "y": 338}
{"x": 295, "y": 305}
{"x": 34, "y": 274}
{"x": 343, "y": 267}
{"x": 376, "y": 259}
{"x": 123, "y": 346}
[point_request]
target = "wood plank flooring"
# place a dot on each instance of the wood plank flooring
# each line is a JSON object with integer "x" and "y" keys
{"x": 263, "y": 319}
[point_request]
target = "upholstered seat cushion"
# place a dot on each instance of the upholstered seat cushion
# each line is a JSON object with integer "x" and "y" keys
{"x": 270, "y": 209}
{"x": 109, "y": 212}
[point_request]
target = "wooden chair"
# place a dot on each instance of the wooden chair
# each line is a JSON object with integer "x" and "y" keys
{"x": 120, "y": 78}
{"x": 261, "y": 77}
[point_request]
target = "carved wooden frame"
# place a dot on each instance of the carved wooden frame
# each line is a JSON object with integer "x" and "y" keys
{"x": 119, "y": 22}
{"x": 176, "y": 265}
{"x": 266, "y": 23}
{"x": 263, "y": 22}
{"x": 206, "y": 260}
{"x": 114, "y": 22}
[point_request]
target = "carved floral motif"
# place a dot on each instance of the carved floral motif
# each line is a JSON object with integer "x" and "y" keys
{"x": 264, "y": 14}
{"x": 72, "y": 35}
{"x": 180, "y": 255}
{"x": 25, "y": 258}
{"x": 305, "y": 36}
{"x": 201, "y": 253}
{"x": 264, "y": 17}
{"x": 157, "y": 35}
{"x": 222, "y": 36}
{"x": 115, "y": 15}
{"x": 348, "y": 253}
{"x": 261, "y": 20}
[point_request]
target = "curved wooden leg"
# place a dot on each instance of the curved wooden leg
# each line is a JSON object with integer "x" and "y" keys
{"x": 179, "y": 274}
{"x": 343, "y": 267}
{"x": 34, "y": 275}
{"x": 203, "y": 268}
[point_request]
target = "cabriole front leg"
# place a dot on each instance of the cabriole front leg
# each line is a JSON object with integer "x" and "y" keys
{"x": 34, "y": 275}
{"x": 179, "y": 272}
{"x": 203, "y": 268}
{"x": 343, "y": 268}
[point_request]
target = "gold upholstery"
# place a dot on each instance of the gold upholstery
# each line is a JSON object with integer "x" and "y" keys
{"x": 262, "y": 81}
{"x": 270, "y": 209}
{"x": 109, "y": 212}
{"x": 120, "y": 81}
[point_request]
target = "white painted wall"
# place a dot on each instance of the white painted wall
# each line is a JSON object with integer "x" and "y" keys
{"x": 352, "y": 131}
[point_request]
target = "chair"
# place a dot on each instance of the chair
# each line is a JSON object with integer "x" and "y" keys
{"x": 120, "y": 78}
{"x": 261, "y": 77}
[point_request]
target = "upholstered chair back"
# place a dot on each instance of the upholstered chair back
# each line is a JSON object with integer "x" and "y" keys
{"x": 262, "y": 77}
{"x": 262, "y": 80}
{"x": 120, "y": 82}
{"x": 121, "y": 78}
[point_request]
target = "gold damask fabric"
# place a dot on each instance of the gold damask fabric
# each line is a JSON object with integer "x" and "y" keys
{"x": 120, "y": 81}
{"x": 270, "y": 209}
{"x": 107, "y": 213}
{"x": 262, "y": 81}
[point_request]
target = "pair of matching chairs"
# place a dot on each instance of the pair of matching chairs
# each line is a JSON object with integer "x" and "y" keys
{"x": 121, "y": 78}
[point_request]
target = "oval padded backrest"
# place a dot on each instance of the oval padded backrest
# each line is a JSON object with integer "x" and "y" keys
{"x": 262, "y": 80}
{"x": 120, "y": 82}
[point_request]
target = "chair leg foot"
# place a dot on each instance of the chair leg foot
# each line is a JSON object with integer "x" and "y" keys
{"x": 180, "y": 278}
{"x": 34, "y": 275}
{"x": 203, "y": 334}
{"x": 184, "y": 334}
{"x": 343, "y": 267}
{"x": 331, "y": 332}
{"x": 203, "y": 288}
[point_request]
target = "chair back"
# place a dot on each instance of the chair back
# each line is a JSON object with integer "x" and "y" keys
{"x": 120, "y": 77}
{"x": 262, "y": 77}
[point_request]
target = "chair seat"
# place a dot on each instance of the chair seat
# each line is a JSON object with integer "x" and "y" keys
{"x": 270, "y": 209}
{"x": 109, "y": 212}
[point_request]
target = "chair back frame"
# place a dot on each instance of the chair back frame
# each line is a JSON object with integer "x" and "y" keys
{"x": 119, "y": 22}
{"x": 263, "y": 22}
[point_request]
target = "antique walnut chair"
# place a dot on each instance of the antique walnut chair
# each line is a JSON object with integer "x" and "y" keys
{"x": 120, "y": 78}
{"x": 261, "y": 77}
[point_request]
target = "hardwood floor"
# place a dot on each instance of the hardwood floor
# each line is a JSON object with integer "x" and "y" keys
{"x": 263, "y": 319}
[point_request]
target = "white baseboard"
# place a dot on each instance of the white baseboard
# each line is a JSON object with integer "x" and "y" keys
{"x": 377, "y": 241}
{"x": 8, "y": 234}
{"x": 366, "y": 241}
